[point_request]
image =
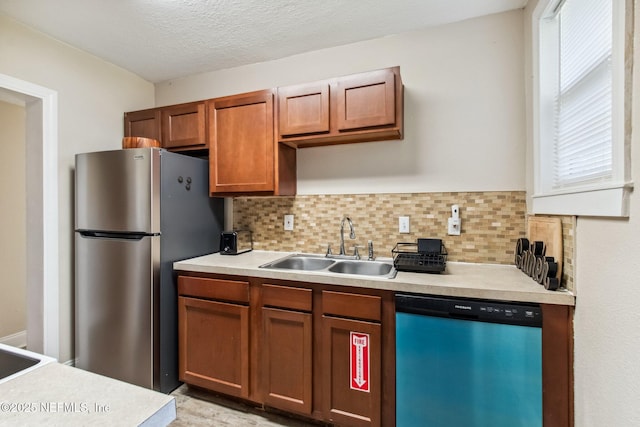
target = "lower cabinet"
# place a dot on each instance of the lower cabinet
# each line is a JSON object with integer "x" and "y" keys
{"x": 321, "y": 351}
{"x": 286, "y": 354}
{"x": 304, "y": 348}
{"x": 351, "y": 358}
{"x": 213, "y": 338}
{"x": 287, "y": 360}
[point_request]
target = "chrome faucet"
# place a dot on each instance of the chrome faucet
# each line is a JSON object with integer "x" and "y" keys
{"x": 352, "y": 234}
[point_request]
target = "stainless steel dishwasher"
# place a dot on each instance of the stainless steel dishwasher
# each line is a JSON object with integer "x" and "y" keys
{"x": 462, "y": 362}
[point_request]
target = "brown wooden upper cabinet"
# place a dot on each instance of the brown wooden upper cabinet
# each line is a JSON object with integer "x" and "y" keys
{"x": 304, "y": 109}
{"x": 178, "y": 127}
{"x": 356, "y": 108}
{"x": 144, "y": 123}
{"x": 244, "y": 157}
{"x": 184, "y": 126}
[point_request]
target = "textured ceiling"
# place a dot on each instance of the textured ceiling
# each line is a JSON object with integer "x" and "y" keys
{"x": 166, "y": 39}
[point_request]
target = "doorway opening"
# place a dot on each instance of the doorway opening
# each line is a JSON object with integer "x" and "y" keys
{"x": 41, "y": 162}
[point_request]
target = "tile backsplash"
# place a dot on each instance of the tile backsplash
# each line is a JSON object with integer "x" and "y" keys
{"x": 491, "y": 223}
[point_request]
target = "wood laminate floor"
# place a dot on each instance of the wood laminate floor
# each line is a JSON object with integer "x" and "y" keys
{"x": 197, "y": 407}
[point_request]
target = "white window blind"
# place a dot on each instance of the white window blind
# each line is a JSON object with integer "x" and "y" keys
{"x": 580, "y": 139}
{"x": 583, "y": 104}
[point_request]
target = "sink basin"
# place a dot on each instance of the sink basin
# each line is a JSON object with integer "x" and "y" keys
{"x": 319, "y": 263}
{"x": 300, "y": 262}
{"x": 367, "y": 268}
{"x": 11, "y": 363}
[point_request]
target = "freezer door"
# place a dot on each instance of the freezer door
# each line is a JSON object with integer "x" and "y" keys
{"x": 118, "y": 190}
{"x": 116, "y": 307}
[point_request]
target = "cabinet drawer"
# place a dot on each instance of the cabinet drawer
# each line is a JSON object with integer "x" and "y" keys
{"x": 352, "y": 305}
{"x": 228, "y": 290}
{"x": 287, "y": 297}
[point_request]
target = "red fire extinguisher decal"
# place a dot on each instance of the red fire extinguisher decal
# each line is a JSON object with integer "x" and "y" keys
{"x": 359, "y": 361}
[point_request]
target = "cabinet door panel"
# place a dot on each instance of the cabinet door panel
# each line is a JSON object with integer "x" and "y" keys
{"x": 184, "y": 126}
{"x": 214, "y": 345}
{"x": 366, "y": 100}
{"x": 303, "y": 109}
{"x": 287, "y": 360}
{"x": 144, "y": 123}
{"x": 342, "y": 403}
{"x": 241, "y": 143}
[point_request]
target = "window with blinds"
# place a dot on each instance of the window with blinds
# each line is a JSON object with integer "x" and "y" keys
{"x": 581, "y": 160}
{"x": 583, "y": 103}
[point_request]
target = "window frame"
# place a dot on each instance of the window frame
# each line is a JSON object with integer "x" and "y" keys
{"x": 604, "y": 198}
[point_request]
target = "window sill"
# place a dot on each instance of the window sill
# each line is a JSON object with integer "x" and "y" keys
{"x": 611, "y": 201}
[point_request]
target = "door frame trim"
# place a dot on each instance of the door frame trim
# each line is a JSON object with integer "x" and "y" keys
{"x": 41, "y": 104}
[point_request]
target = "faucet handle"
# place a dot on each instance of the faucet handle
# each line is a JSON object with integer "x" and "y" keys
{"x": 328, "y": 249}
{"x": 371, "y": 256}
{"x": 356, "y": 254}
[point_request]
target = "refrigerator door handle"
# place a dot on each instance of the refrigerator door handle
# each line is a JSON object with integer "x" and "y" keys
{"x": 108, "y": 235}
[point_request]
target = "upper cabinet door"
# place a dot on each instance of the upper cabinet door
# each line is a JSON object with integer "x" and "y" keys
{"x": 143, "y": 123}
{"x": 357, "y": 108}
{"x": 184, "y": 126}
{"x": 241, "y": 143}
{"x": 303, "y": 109}
{"x": 366, "y": 100}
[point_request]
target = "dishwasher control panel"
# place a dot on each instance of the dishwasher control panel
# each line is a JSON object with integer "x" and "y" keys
{"x": 470, "y": 309}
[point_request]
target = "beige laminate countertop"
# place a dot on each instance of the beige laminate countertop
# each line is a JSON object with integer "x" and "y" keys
{"x": 485, "y": 281}
{"x": 59, "y": 395}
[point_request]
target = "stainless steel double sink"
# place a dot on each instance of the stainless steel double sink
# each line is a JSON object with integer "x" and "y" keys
{"x": 319, "y": 263}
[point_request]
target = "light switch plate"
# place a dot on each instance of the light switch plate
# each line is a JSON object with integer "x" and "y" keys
{"x": 288, "y": 222}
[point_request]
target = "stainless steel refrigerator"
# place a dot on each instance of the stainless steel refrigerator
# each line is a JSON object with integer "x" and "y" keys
{"x": 137, "y": 211}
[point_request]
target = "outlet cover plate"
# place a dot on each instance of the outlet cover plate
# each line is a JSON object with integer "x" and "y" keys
{"x": 403, "y": 224}
{"x": 288, "y": 222}
{"x": 453, "y": 226}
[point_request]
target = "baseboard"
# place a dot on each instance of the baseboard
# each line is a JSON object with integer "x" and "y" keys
{"x": 19, "y": 339}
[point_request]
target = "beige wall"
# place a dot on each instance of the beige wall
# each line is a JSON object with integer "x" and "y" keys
{"x": 12, "y": 220}
{"x": 92, "y": 95}
{"x": 464, "y": 109}
{"x": 607, "y": 373}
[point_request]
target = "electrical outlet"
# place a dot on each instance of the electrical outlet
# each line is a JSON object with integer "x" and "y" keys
{"x": 403, "y": 224}
{"x": 288, "y": 222}
{"x": 453, "y": 226}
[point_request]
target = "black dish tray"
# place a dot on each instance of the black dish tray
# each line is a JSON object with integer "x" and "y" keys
{"x": 407, "y": 258}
